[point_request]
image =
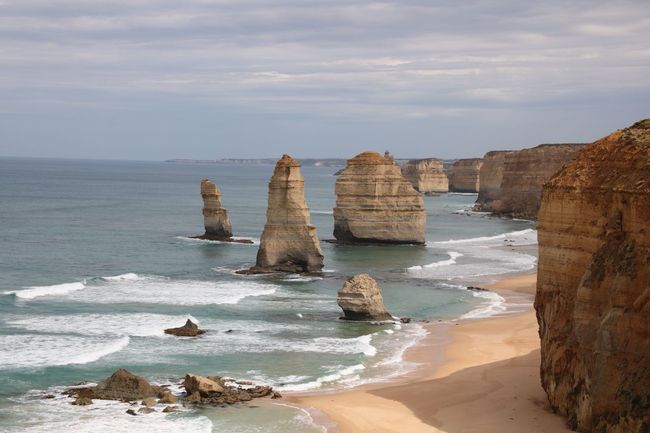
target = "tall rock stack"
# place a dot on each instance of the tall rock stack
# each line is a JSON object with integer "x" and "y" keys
{"x": 376, "y": 204}
{"x": 593, "y": 286}
{"x": 525, "y": 172}
{"x": 289, "y": 242}
{"x": 215, "y": 218}
{"x": 426, "y": 175}
{"x": 490, "y": 177}
{"x": 464, "y": 175}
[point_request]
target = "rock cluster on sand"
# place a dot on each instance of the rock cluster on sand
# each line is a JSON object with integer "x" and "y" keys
{"x": 289, "y": 242}
{"x": 593, "y": 289}
{"x": 464, "y": 175}
{"x": 190, "y": 329}
{"x": 524, "y": 173}
{"x": 426, "y": 175}
{"x": 360, "y": 299}
{"x": 125, "y": 386}
{"x": 215, "y": 218}
{"x": 490, "y": 177}
{"x": 376, "y": 204}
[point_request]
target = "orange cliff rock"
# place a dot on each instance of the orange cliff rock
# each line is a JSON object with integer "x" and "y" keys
{"x": 464, "y": 175}
{"x": 426, "y": 175}
{"x": 289, "y": 242}
{"x": 376, "y": 204}
{"x": 593, "y": 290}
{"x": 215, "y": 218}
{"x": 490, "y": 177}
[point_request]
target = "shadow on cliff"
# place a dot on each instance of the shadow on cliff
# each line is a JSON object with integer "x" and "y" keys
{"x": 499, "y": 397}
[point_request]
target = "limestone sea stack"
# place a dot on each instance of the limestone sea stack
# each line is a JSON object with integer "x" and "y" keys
{"x": 593, "y": 286}
{"x": 215, "y": 218}
{"x": 289, "y": 242}
{"x": 426, "y": 175}
{"x": 490, "y": 177}
{"x": 524, "y": 173}
{"x": 376, "y": 204}
{"x": 360, "y": 299}
{"x": 464, "y": 175}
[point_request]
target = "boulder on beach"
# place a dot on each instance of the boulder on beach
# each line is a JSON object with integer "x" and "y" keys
{"x": 202, "y": 385}
{"x": 190, "y": 329}
{"x": 361, "y": 300}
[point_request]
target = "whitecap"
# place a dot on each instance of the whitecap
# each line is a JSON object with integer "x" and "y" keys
{"x": 54, "y": 290}
{"x": 494, "y": 305}
{"x": 331, "y": 377}
{"x": 124, "y": 277}
{"x": 33, "y": 350}
{"x": 501, "y": 236}
{"x": 453, "y": 255}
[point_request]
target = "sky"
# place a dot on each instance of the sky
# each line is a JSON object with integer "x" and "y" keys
{"x": 207, "y": 79}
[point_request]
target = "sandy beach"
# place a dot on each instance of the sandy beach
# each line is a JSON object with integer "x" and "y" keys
{"x": 486, "y": 381}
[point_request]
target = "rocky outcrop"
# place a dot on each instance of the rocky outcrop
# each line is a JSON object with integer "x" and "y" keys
{"x": 190, "y": 329}
{"x": 289, "y": 242}
{"x": 426, "y": 175}
{"x": 490, "y": 177}
{"x": 464, "y": 175}
{"x": 360, "y": 299}
{"x": 215, "y": 390}
{"x": 524, "y": 173}
{"x": 215, "y": 218}
{"x": 593, "y": 289}
{"x": 376, "y": 204}
{"x": 121, "y": 385}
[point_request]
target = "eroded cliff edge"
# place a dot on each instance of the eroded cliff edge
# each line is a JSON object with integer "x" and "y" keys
{"x": 376, "y": 204}
{"x": 464, "y": 175}
{"x": 426, "y": 175}
{"x": 215, "y": 218}
{"x": 593, "y": 290}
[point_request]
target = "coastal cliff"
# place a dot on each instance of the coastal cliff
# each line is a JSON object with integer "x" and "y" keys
{"x": 524, "y": 173}
{"x": 593, "y": 290}
{"x": 426, "y": 175}
{"x": 376, "y": 204}
{"x": 464, "y": 175}
{"x": 215, "y": 218}
{"x": 289, "y": 242}
{"x": 490, "y": 177}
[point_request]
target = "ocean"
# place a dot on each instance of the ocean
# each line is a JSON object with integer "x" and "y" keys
{"x": 96, "y": 261}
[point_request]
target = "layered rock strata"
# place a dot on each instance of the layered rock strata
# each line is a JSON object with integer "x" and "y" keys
{"x": 289, "y": 242}
{"x": 426, "y": 175}
{"x": 376, "y": 204}
{"x": 524, "y": 173}
{"x": 464, "y": 175}
{"x": 215, "y": 218}
{"x": 593, "y": 289}
{"x": 360, "y": 299}
{"x": 490, "y": 177}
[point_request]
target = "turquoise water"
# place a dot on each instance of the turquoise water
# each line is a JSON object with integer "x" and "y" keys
{"x": 95, "y": 263}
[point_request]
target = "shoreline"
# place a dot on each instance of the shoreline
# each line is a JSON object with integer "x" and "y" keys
{"x": 473, "y": 375}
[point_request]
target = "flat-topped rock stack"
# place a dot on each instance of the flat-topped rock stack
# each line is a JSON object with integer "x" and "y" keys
{"x": 376, "y": 204}
{"x": 524, "y": 173}
{"x": 426, "y": 175}
{"x": 593, "y": 285}
{"x": 289, "y": 242}
{"x": 490, "y": 177}
{"x": 464, "y": 175}
{"x": 215, "y": 218}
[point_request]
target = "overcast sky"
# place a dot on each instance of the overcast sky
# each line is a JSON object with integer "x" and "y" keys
{"x": 205, "y": 79}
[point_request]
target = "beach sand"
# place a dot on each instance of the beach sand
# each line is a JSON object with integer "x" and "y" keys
{"x": 487, "y": 382}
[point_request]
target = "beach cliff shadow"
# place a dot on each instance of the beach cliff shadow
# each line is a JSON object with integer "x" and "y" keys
{"x": 499, "y": 397}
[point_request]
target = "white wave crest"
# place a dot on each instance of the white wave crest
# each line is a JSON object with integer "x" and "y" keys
{"x": 494, "y": 305}
{"x": 490, "y": 238}
{"x": 453, "y": 255}
{"x": 348, "y": 373}
{"x": 54, "y": 290}
{"x": 124, "y": 277}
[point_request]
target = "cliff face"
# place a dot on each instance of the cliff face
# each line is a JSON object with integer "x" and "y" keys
{"x": 464, "y": 175}
{"x": 375, "y": 204}
{"x": 490, "y": 177}
{"x": 289, "y": 242}
{"x": 426, "y": 175}
{"x": 593, "y": 290}
{"x": 215, "y": 218}
{"x": 524, "y": 173}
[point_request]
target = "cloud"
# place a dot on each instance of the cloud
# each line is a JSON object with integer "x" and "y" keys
{"x": 361, "y": 60}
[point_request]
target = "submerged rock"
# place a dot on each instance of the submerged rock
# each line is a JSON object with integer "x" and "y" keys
{"x": 190, "y": 329}
{"x": 376, "y": 204}
{"x": 289, "y": 242}
{"x": 360, "y": 299}
{"x": 593, "y": 285}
